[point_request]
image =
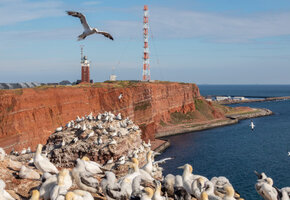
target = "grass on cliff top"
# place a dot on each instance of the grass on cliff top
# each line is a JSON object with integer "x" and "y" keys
{"x": 179, "y": 117}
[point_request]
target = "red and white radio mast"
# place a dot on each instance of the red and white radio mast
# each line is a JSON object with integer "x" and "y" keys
{"x": 146, "y": 67}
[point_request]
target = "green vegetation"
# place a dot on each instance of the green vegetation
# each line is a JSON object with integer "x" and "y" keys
{"x": 179, "y": 117}
{"x": 162, "y": 123}
{"x": 142, "y": 105}
{"x": 204, "y": 108}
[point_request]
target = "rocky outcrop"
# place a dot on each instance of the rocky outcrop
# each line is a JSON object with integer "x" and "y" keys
{"x": 30, "y": 116}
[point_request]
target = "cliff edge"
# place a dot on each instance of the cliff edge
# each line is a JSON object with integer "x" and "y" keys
{"x": 30, "y": 116}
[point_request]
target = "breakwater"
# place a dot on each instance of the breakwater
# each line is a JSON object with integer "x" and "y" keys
{"x": 225, "y": 102}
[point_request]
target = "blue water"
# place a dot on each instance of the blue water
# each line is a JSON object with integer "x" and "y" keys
{"x": 235, "y": 151}
{"x": 246, "y": 90}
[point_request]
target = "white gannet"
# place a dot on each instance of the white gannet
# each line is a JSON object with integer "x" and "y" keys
{"x": 64, "y": 182}
{"x": 2, "y": 154}
{"x": 198, "y": 187}
{"x": 99, "y": 126}
{"x": 157, "y": 193}
{"x": 58, "y": 129}
{"x": 135, "y": 128}
{"x": 92, "y": 166}
{"x": 143, "y": 174}
{"x": 84, "y": 127}
{"x": 121, "y": 160}
{"x": 230, "y": 192}
{"x": 179, "y": 191}
{"x": 148, "y": 167}
{"x": 105, "y": 132}
{"x": 266, "y": 190}
{"x": 3, "y": 194}
{"x": 119, "y": 117}
{"x": 124, "y": 192}
{"x": 90, "y": 134}
{"x": 83, "y": 178}
{"x": 47, "y": 186}
{"x": 109, "y": 183}
{"x": 28, "y": 150}
{"x": 35, "y": 195}
{"x": 110, "y": 161}
{"x": 285, "y": 193}
{"x": 188, "y": 177}
{"x": 120, "y": 96}
{"x": 113, "y": 142}
{"x": 99, "y": 117}
{"x": 113, "y": 134}
{"x": 100, "y": 141}
{"x": 68, "y": 125}
{"x": 78, "y": 119}
{"x": 63, "y": 143}
{"x": 42, "y": 163}
{"x": 90, "y": 116}
{"x": 252, "y": 125}
{"x": 136, "y": 188}
{"x": 209, "y": 189}
{"x": 79, "y": 195}
{"x": 75, "y": 139}
{"x": 148, "y": 194}
{"x": 169, "y": 182}
{"x": 23, "y": 151}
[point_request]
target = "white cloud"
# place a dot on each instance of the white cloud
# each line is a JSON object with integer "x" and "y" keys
{"x": 91, "y": 3}
{"x": 14, "y": 11}
{"x": 172, "y": 23}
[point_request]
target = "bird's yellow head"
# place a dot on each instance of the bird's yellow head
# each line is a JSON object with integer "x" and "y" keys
{"x": 61, "y": 176}
{"x": 229, "y": 190}
{"x": 190, "y": 168}
{"x": 204, "y": 196}
{"x": 35, "y": 195}
{"x": 85, "y": 158}
{"x": 39, "y": 149}
{"x": 149, "y": 192}
{"x": 135, "y": 161}
{"x": 201, "y": 180}
{"x": 69, "y": 196}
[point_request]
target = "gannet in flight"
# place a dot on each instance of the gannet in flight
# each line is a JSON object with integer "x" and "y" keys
{"x": 87, "y": 29}
{"x": 252, "y": 125}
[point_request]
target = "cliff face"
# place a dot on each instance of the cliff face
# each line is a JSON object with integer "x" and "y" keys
{"x": 29, "y": 116}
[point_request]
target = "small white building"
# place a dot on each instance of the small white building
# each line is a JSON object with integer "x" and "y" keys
{"x": 239, "y": 98}
{"x": 113, "y": 77}
{"x": 222, "y": 98}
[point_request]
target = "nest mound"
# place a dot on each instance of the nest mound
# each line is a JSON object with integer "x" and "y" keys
{"x": 104, "y": 138}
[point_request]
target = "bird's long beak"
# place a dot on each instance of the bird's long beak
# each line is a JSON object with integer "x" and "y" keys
{"x": 181, "y": 167}
{"x": 258, "y": 174}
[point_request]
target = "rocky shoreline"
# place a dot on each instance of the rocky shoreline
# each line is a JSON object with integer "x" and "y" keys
{"x": 231, "y": 119}
{"x": 225, "y": 102}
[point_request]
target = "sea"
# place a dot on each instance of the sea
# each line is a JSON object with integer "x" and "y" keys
{"x": 235, "y": 151}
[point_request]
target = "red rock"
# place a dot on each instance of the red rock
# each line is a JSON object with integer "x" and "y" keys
{"x": 29, "y": 116}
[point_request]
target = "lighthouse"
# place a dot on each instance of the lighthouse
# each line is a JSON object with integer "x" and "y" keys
{"x": 85, "y": 70}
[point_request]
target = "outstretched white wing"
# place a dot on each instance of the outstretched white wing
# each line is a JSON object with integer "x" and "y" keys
{"x": 82, "y": 18}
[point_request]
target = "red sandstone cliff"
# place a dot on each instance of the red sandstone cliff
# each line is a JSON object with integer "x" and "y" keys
{"x": 29, "y": 116}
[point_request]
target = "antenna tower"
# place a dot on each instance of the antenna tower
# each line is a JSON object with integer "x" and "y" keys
{"x": 146, "y": 67}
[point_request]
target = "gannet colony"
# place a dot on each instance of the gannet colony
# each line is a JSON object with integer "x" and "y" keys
{"x": 103, "y": 157}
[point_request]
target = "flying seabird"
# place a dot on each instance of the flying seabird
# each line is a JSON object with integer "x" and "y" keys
{"x": 87, "y": 29}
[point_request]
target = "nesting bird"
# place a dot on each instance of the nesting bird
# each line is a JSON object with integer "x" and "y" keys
{"x": 42, "y": 163}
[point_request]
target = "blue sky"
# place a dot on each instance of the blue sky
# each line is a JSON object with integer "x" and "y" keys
{"x": 200, "y": 41}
